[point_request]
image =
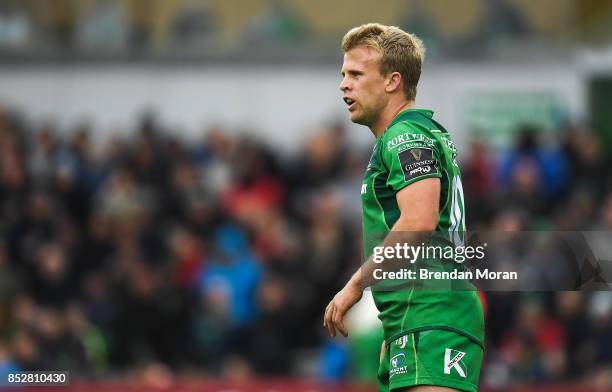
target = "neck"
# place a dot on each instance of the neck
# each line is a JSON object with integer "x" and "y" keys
{"x": 388, "y": 114}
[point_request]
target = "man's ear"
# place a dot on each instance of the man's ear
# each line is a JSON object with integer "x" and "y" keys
{"x": 394, "y": 82}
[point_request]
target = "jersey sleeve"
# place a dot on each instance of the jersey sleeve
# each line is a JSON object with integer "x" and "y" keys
{"x": 410, "y": 154}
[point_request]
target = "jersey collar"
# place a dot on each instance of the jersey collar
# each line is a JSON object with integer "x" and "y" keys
{"x": 410, "y": 113}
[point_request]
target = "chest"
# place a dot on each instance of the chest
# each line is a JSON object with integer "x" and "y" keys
{"x": 374, "y": 190}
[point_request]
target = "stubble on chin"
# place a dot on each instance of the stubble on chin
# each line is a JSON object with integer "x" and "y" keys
{"x": 361, "y": 119}
{"x": 355, "y": 118}
{"x": 358, "y": 118}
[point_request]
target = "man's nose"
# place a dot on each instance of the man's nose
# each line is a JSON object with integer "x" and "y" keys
{"x": 343, "y": 85}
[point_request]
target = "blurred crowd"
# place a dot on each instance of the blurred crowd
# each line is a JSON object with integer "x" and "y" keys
{"x": 150, "y": 28}
{"x": 217, "y": 257}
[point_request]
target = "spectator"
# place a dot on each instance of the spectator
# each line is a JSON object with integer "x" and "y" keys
{"x": 153, "y": 255}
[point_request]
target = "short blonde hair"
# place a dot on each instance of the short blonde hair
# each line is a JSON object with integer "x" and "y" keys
{"x": 401, "y": 51}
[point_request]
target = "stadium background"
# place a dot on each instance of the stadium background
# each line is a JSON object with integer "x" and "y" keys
{"x": 179, "y": 185}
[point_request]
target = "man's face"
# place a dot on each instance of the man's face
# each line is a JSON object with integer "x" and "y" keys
{"x": 363, "y": 86}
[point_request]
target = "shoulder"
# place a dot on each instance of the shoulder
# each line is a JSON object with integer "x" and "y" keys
{"x": 407, "y": 134}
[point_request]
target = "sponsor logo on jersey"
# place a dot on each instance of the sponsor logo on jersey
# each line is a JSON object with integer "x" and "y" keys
{"x": 452, "y": 360}
{"x": 420, "y": 170}
{"x": 409, "y": 139}
{"x": 396, "y": 141}
{"x": 416, "y": 162}
{"x": 398, "y": 365}
{"x": 401, "y": 342}
{"x": 450, "y": 144}
{"x": 398, "y": 360}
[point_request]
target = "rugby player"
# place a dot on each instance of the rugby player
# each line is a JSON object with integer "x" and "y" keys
{"x": 433, "y": 339}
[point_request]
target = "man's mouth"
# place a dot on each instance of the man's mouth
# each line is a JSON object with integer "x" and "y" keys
{"x": 350, "y": 102}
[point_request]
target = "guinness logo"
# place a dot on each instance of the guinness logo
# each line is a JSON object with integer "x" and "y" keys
{"x": 416, "y": 162}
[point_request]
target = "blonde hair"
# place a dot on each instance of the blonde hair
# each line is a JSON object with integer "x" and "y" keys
{"x": 401, "y": 51}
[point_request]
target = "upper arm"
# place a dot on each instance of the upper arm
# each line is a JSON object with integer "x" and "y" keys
{"x": 419, "y": 205}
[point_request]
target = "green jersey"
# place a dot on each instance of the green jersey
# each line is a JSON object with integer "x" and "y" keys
{"x": 412, "y": 148}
